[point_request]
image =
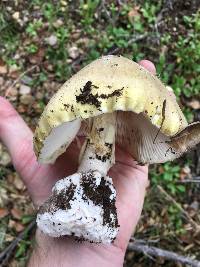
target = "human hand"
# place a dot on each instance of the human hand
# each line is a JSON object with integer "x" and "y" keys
{"x": 130, "y": 181}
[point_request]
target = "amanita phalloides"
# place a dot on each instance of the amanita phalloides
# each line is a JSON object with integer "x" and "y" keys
{"x": 113, "y": 100}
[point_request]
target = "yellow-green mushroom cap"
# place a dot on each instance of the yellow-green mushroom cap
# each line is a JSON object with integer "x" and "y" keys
{"x": 148, "y": 115}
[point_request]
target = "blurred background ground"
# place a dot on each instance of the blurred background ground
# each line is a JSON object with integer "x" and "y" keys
{"x": 42, "y": 43}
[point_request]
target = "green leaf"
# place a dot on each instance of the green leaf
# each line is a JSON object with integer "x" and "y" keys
{"x": 21, "y": 250}
{"x": 27, "y": 219}
{"x": 181, "y": 188}
{"x": 2, "y": 235}
{"x": 175, "y": 169}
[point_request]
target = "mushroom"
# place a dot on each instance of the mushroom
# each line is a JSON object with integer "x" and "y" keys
{"x": 112, "y": 100}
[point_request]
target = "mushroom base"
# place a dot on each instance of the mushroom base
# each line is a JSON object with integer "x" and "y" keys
{"x": 81, "y": 205}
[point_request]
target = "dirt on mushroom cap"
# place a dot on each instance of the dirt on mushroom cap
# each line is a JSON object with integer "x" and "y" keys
{"x": 106, "y": 85}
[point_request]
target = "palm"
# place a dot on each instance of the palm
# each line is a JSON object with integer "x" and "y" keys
{"x": 129, "y": 179}
{"x": 126, "y": 174}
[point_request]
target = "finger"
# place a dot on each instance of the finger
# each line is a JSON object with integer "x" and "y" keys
{"x": 148, "y": 65}
{"x": 124, "y": 158}
{"x": 130, "y": 182}
{"x": 17, "y": 137}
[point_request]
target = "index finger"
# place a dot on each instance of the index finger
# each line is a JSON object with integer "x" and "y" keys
{"x": 17, "y": 137}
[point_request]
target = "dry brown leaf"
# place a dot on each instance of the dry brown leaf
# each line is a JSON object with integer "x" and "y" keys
{"x": 194, "y": 104}
{"x": 21, "y": 109}
{"x": 19, "y": 197}
{"x": 187, "y": 238}
{"x": 14, "y": 74}
{"x": 37, "y": 57}
{"x": 133, "y": 13}
{"x": 130, "y": 255}
{"x": 11, "y": 92}
{"x": 9, "y": 238}
{"x": 10, "y": 178}
{"x": 14, "y": 263}
{"x": 19, "y": 227}
{"x": 5, "y": 159}
{"x": 16, "y": 213}
{"x": 3, "y": 69}
{"x": 3, "y": 213}
{"x": 18, "y": 182}
{"x": 185, "y": 173}
{"x": 16, "y": 225}
{"x": 188, "y": 247}
{"x": 11, "y": 223}
{"x": 161, "y": 169}
{"x": 4, "y": 199}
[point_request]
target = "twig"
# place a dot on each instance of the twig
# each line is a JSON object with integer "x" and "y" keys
{"x": 137, "y": 38}
{"x": 144, "y": 242}
{"x": 113, "y": 51}
{"x": 108, "y": 15}
{"x": 6, "y": 254}
{"x": 194, "y": 180}
{"x": 121, "y": 3}
{"x": 157, "y": 252}
{"x": 77, "y": 61}
{"x": 170, "y": 198}
{"x": 170, "y": 4}
{"x": 18, "y": 79}
{"x": 198, "y": 159}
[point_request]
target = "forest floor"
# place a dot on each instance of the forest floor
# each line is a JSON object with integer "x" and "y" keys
{"x": 42, "y": 43}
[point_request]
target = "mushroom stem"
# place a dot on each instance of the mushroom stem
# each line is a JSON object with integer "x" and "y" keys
{"x": 99, "y": 151}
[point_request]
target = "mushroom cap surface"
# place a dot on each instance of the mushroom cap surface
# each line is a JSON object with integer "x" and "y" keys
{"x": 110, "y": 84}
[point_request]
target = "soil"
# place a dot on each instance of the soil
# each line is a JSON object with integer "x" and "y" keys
{"x": 100, "y": 195}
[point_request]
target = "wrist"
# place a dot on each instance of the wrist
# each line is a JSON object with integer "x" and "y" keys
{"x": 65, "y": 251}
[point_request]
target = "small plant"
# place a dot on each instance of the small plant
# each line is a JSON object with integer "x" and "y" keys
{"x": 62, "y": 34}
{"x": 187, "y": 53}
{"x": 149, "y": 12}
{"x": 188, "y": 114}
{"x": 118, "y": 36}
{"x": 32, "y": 48}
{"x": 10, "y": 40}
{"x": 138, "y": 25}
{"x": 163, "y": 69}
{"x": 176, "y": 221}
{"x": 167, "y": 175}
{"x": 48, "y": 10}
{"x": 87, "y": 11}
{"x": 39, "y": 79}
{"x": 33, "y": 27}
